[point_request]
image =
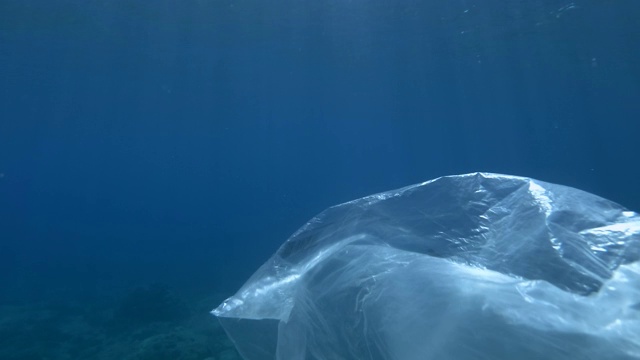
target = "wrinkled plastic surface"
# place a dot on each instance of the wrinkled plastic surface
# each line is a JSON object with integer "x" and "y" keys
{"x": 477, "y": 266}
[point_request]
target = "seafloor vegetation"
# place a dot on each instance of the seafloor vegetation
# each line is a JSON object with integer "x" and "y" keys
{"x": 149, "y": 323}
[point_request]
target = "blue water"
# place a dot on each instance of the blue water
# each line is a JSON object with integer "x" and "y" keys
{"x": 180, "y": 142}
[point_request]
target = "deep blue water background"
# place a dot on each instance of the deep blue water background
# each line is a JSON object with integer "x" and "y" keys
{"x": 182, "y": 142}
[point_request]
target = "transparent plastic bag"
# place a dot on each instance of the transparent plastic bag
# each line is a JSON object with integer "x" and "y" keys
{"x": 476, "y": 266}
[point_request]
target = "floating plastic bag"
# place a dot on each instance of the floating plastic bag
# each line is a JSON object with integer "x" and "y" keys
{"x": 477, "y": 266}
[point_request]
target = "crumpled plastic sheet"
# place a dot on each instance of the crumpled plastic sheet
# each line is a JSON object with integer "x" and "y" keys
{"x": 476, "y": 266}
